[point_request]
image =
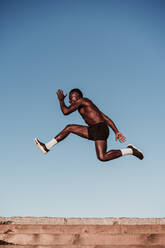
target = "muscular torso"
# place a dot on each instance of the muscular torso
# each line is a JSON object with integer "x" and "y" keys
{"x": 89, "y": 112}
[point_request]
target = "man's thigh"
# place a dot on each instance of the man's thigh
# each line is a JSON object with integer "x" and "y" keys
{"x": 101, "y": 147}
{"x": 80, "y": 130}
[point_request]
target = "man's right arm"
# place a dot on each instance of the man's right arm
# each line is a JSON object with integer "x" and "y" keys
{"x": 64, "y": 108}
{"x": 67, "y": 110}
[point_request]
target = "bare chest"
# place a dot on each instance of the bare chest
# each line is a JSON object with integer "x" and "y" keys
{"x": 81, "y": 110}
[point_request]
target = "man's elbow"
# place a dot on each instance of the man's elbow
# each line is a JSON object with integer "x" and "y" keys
{"x": 65, "y": 112}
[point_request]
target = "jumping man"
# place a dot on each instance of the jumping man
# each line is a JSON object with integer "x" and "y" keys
{"x": 97, "y": 129}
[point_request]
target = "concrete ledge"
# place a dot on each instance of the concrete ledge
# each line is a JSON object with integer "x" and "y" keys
{"x": 85, "y": 246}
{"x": 82, "y": 221}
{"x": 84, "y": 239}
{"x": 49, "y": 232}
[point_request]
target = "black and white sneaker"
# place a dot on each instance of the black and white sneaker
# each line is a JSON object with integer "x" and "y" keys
{"x": 136, "y": 152}
{"x": 41, "y": 146}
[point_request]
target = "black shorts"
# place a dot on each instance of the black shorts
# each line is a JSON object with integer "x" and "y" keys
{"x": 99, "y": 131}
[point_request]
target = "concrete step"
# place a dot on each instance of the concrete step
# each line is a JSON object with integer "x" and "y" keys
{"x": 78, "y": 232}
{"x": 84, "y": 239}
{"x": 84, "y": 246}
{"x": 73, "y": 229}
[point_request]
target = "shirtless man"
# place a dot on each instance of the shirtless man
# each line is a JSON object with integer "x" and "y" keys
{"x": 97, "y": 129}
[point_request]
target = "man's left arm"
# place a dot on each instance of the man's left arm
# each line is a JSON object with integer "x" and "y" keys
{"x": 110, "y": 123}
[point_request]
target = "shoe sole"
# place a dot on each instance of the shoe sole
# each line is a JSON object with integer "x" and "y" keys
{"x": 39, "y": 146}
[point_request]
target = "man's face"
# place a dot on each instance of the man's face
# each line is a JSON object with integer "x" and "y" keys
{"x": 73, "y": 97}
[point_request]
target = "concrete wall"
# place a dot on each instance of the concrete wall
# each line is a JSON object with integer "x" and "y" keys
{"x": 82, "y": 232}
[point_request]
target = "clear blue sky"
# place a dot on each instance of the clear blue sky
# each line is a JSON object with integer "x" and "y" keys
{"x": 114, "y": 51}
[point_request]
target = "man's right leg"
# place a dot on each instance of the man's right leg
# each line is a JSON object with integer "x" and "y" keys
{"x": 101, "y": 151}
{"x": 81, "y": 131}
{"x": 101, "y": 147}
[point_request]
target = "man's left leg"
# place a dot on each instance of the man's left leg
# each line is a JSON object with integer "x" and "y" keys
{"x": 79, "y": 130}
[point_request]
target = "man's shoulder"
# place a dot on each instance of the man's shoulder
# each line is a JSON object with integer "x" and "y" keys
{"x": 85, "y": 100}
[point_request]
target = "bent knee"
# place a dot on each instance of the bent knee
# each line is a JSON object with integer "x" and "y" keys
{"x": 69, "y": 127}
{"x": 101, "y": 157}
